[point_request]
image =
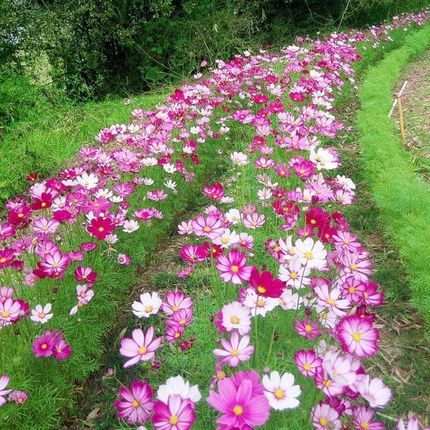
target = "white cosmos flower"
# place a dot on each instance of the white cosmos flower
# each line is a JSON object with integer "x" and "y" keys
{"x": 239, "y": 158}
{"x": 105, "y": 193}
{"x": 148, "y": 181}
{"x": 169, "y": 168}
{"x": 148, "y": 305}
{"x": 130, "y": 226}
{"x": 89, "y": 181}
{"x": 227, "y": 199}
{"x": 170, "y": 184}
{"x": 227, "y": 239}
{"x": 236, "y": 316}
{"x": 264, "y": 194}
{"x": 41, "y": 314}
{"x": 311, "y": 253}
{"x": 345, "y": 182}
{"x": 324, "y": 159}
{"x": 234, "y": 216}
{"x": 111, "y": 239}
{"x": 259, "y": 305}
{"x": 280, "y": 391}
{"x": 177, "y": 385}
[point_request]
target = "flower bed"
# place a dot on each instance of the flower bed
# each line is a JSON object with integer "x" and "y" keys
{"x": 290, "y": 290}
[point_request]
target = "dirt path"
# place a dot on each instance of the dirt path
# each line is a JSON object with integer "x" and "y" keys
{"x": 416, "y": 105}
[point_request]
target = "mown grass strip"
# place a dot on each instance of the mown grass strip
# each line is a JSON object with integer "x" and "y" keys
{"x": 401, "y": 195}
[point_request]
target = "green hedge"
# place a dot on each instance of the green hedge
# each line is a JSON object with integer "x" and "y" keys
{"x": 401, "y": 195}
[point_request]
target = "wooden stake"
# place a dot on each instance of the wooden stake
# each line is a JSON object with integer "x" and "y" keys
{"x": 401, "y": 121}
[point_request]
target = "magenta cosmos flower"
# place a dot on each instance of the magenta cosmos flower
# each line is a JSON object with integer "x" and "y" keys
{"x": 140, "y": 347}
{"x": 176, "y": 414}
{"x": 358, "y": 336}
{"x": 239, "y": 405}
{"x": 135, "y": 403}
{"x": 232, "y": 268}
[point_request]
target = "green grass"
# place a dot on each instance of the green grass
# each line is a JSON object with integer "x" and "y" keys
{"x": 401, "y": 195}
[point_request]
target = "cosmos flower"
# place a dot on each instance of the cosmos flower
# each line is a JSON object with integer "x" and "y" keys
{"x": 280, "y": 390}
{"x": 135, "y": 403}
{"x": 140, "y": 347}
{"x": 176, "y": 414}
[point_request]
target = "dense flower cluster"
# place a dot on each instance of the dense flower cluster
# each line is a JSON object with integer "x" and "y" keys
{"x": 283, "y": 247}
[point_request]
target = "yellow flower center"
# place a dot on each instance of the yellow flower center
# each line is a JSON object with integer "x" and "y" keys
{"x": 101, "y": 229}
{"x": 177, "y": 334}
{"x": 261, "y": 303}
{"x": 44, "y": 346}
{"x": 309, "y": 255}
{"x": 308, "y": 328}
{"x": 207, "y": 229}
{"x": 234, "y": 268}
{"x": 356, "y": 336}
{"x": 351, "y": 290}
{"x": 174, "y": 420}
{"x": 307, "y": 367}
{"x": 234, "y": 319}
{"x": 42, "y": 315}
{"x": 220, "y": 375}
{"x": 3, "y": 260}
{"x": 5, "y": 314}
{"x": 365, "y": 425}
{"x": 175, "y": 308}
{"x": 234, "y": 353}
{"x": 324, "y": 421}
{"x": 182, "y": 321}
{"x": 238, "y": 410}
{"x": 135, "y": 404}
{"x": 261, "y": 289}
{"x": 353, "y": 267}
{"x": 330, "y": 302}
{"x": 143, "y": 350}
{"x": 279, "y": 393}
{"x": 294, "y": 275}
{"x": 149, "y": 309}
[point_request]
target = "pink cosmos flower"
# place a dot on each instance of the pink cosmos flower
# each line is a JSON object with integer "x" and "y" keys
{"x": 4, "y": 380}
{"x": 18, "y": 397}
{"x": 214, "y": 191}
{"x": 254, "y": 220}
{"x": 239, "y": 406}
{"x": 61, "y": 350}
{"x": 44, "y": 344}
{"x": 358, "y": 336}
{"x": 233, "y": 267}
{"x": 176, "y": 414}
{"x": 100, "y": 227}
{"x": 374, "y": 391}
{"x": 181, "y": 318}
{"x": 210, "y": 226}
{"x": 307, "y": 362}
{"x": 307, "y": 329}
{"x": 175, "y": 301}
{"x": 140, "y": 347}
{"x": 363, "y": 419}
{"x": 135, "y": 403}
{"x": 235, "y": 351}
{"x": 86, "y": 275}
{"x": 412, "y": 424}
{"x": 9, "y": 310}
{"x": 324, "y": 417}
